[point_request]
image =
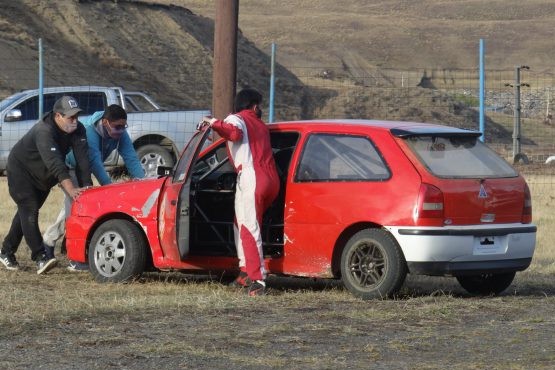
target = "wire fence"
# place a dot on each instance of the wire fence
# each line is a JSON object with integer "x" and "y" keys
{"x": 449, "y": 97}
{"x": 302, "y": 92}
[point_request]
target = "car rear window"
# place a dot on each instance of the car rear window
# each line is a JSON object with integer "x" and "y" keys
{"x": 328, "y": 157}
{"x": 458, "y": 157}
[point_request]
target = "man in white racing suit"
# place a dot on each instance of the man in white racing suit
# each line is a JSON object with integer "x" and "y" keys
{"x": 257, "y": 183}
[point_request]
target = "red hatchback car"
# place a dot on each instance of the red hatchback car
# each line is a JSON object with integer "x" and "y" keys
{"x": 362, "y": 201}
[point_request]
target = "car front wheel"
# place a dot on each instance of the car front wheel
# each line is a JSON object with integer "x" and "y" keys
{"x": 372, "y": 265}
{"x": 486, "y": 284}
{"x": 117, "y": 252}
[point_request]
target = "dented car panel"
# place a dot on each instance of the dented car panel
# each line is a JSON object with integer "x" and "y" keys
{"x": 364, "y": 201}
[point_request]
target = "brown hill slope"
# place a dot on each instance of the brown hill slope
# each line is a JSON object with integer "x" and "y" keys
{"x": 166, "y": 49}
{"x": 401, "y": 34}
{"x": 163, "y": 49}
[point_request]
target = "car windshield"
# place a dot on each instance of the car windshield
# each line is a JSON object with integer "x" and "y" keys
{"x": 10, "y": 99}
{"x": 459, "y": 157}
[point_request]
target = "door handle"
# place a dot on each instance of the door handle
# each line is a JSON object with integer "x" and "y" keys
{"x": 173, "y": 202}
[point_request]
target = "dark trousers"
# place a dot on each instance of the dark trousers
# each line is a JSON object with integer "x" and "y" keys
{"x": 25, "y": 223}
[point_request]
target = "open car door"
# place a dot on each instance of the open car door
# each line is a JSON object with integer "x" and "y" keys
{"x": 173, "y": 225}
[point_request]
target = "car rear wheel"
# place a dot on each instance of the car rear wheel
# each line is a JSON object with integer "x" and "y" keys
{"x": 117, "y": 252}
{"x": 486, "y": 284}
{"x": 373, "y": 265}
{"x": 153, "y": 156}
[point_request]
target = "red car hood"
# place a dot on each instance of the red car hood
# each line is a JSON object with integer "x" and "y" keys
{"x": 137, "y": 198}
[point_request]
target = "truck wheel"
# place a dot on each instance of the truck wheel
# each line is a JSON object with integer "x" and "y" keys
{"x": 372, "y": 265}
{"x": 117, "y": 252}
{"x": 486, "y": 284}
{"x": 153, "y": 156}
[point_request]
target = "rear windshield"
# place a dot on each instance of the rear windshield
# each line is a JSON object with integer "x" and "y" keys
{"x": 459, "y": 157}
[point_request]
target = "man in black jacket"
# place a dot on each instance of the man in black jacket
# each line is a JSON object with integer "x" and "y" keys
{"x": 36, "y": 163}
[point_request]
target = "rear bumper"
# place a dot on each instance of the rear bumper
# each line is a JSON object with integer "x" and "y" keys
{"x": 473, "y": 231}
{"x": 467, "y": 249}
{"x": 468, "y": 268}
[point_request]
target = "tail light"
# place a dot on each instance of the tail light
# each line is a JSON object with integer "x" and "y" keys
{"x": 429, "y": 208}
{"x": 527, "y": 209}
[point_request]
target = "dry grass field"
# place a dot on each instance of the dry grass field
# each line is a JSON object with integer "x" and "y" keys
{"x": 65, "y": 320}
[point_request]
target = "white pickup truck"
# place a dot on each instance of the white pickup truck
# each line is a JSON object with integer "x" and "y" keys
{"x": 158, "y": 135}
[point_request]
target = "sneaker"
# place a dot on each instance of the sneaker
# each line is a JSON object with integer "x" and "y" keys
{"x": 75, "y": 266}
{"x": 44, "y": 264}
{"x": 49, "y": 251}
{"x": 257, "y": 288}
{"x": 9, "y": 261}
{"x": 242, "y": 280}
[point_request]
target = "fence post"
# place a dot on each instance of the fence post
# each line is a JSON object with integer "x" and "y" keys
{"x": 41, "y": 97}
{"x": 481, "y": 92}
{"x": 272, "y": 85}
{"x": 517, "y": 155}
{"x": 548, "y": 93}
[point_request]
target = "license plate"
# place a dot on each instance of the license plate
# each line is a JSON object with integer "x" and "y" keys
{"x": 488, "y": 245}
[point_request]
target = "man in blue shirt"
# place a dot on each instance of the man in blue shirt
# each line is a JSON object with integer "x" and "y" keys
{"x": 105, "y": 132}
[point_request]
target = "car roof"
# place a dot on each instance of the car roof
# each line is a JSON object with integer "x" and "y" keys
{"x": 398, "y": 128}
{"x": 61, "y": 89}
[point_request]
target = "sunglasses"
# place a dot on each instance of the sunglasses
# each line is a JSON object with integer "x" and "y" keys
{"x": 119, "y": 127}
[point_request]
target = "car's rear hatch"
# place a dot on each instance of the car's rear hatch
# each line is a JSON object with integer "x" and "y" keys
{"x": 471, "y": 183}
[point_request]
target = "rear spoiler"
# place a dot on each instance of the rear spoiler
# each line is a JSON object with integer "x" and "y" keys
{"x": 434, "y": 131}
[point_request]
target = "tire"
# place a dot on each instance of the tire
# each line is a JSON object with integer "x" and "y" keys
{"x": 117, "y": 252}
{"x": 153, "y": 156}
{"x": 486, "y": 284}
{"x": 373, "y": 265}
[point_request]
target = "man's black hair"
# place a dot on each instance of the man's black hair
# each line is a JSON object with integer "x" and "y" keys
{"x": 246, "y": 99}
{"x": 114, "y": 112}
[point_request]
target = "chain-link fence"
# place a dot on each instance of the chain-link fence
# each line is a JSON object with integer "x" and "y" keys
{"x": 444, "y": 96}
{"x": 423, "y": 95}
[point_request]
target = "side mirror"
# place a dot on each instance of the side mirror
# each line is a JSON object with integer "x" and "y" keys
{"x": 13, "y": 115}
{"x": 164, "y": 171}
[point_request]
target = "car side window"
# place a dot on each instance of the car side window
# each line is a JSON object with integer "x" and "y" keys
{"x": 29, "y": 109}
{"x": 329, "y": 157}
{"x": 90, "y": 101}
{"x": 49, "y": 100}
{"x": 190, "y": 151}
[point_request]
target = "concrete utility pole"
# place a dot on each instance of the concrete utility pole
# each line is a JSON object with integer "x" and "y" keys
{"x": 225, "y": 57}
